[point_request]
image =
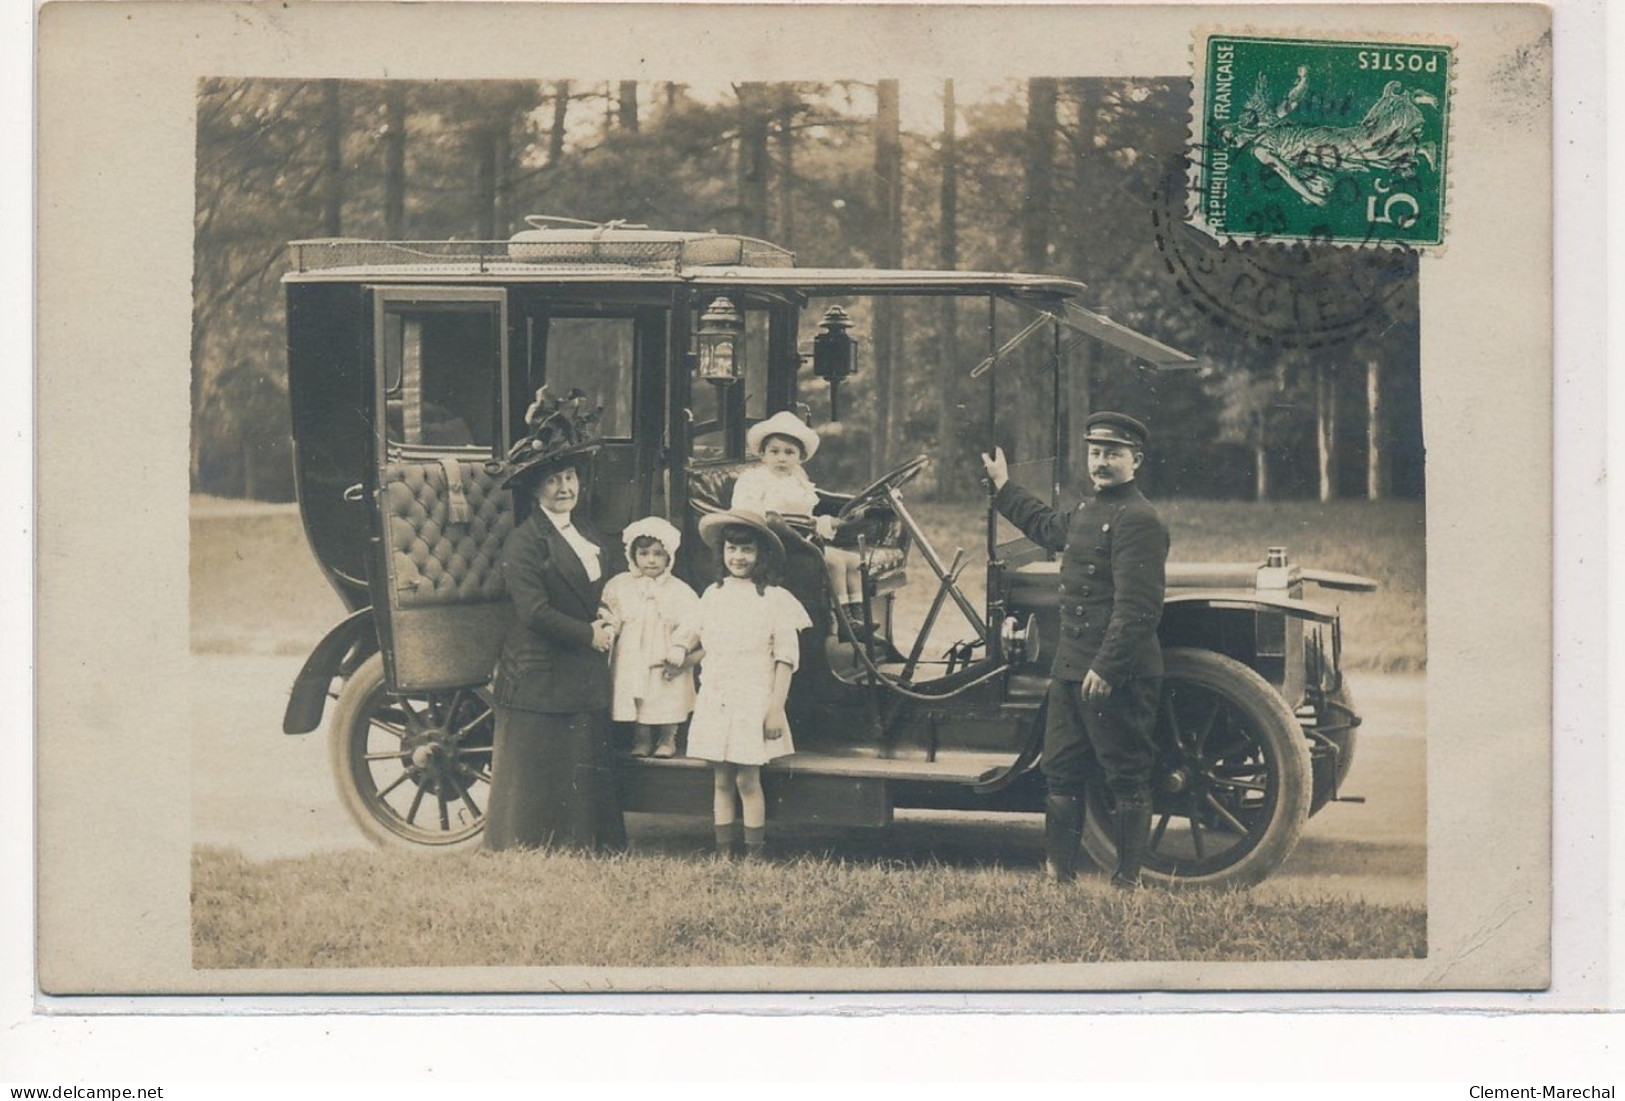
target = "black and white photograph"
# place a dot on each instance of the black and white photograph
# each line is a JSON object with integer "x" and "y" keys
{"x": 731, "y": 519}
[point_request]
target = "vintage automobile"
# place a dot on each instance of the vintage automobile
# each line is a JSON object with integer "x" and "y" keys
{"x": 411, "y": 365}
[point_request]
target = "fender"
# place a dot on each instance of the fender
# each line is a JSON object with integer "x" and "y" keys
{"x": 1230, "y": 600}
{"x": 309, "y": 697}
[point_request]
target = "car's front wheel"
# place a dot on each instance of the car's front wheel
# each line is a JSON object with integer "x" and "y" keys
{"x": 414, "y": 769}
{"x": 1232, "y": 781}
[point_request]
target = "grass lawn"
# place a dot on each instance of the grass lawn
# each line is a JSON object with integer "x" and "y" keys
{"x": 388, "y": 909}
{"x": 256, "y": 589}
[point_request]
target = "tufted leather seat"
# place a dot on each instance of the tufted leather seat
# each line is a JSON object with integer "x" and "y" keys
{"x": 435, "y": 560}
{"x": 711, "y": 485}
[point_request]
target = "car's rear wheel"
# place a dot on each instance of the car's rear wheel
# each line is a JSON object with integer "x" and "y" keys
{"x": 1231, "y": 785}
{"x": 413, "y": 770}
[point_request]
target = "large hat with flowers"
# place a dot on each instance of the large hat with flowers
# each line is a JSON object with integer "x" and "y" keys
{"x": 563, "y": 432}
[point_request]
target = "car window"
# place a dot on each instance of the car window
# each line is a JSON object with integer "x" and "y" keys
{"x": 595, "y": 355}
{"x": 442, "y": 363}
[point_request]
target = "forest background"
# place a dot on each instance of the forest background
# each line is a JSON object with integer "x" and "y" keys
{"x": 1082, "y": 178}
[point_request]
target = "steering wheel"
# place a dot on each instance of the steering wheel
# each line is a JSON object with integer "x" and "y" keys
{"x": 877, "y": 490}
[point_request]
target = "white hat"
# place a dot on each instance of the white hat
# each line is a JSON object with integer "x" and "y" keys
{"x": 713, "y": 525}
{"x": 782, "y": 423}
{"x": 661, "y": 531}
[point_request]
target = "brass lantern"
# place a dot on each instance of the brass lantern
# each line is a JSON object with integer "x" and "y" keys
{"x": 721, "y": 326}
{"x": 835, "y": 354}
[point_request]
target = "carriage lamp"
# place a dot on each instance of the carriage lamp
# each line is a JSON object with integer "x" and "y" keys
{"x": 721, "y": 326}
{"x": 835, "y": 354}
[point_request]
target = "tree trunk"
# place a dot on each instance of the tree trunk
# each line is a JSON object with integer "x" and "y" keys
{"x": 1376, "y": 468}
{"x": 1040, "y": 173}
{"x": 251, "y": 481}
{"x": 1326, "y": 429}
{"x": 952, "y": 459}
{"x": 629, "y": 106}
{"x": 332, "y": 160}
{"x": 889, "y": 218}
{"x": 752, "y": 162}
{"x": 561, "y": 107}
{"x": 394, "y": 161}
{"x": 485, "y": 183}
{"x": 1080, "y": 402}
{"x": 502, "y": 171}
{"x": 1032, "y": 386}
{"x": 1083, "y": 196}
{"x": 1261, "y": 467}
{"x": 785, "y": 138}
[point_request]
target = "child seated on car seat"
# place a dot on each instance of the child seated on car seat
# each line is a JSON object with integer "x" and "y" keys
{"x": 779, "y": 485}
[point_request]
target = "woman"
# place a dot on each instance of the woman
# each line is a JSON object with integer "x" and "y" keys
{"x": 552, "y": 774}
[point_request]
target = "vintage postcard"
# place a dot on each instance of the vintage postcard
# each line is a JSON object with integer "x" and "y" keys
{"x": 771, "y": 498}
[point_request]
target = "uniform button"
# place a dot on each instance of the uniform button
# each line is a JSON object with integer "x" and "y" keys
{"x": 1063, "y": 586}
{"x": 1090, "y": 568}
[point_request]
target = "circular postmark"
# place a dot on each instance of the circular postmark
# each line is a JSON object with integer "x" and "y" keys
{"x": 1299, "y": 293}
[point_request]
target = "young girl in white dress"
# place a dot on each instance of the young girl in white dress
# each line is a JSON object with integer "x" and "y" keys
{"x": 784, "y": 442}
{"x": 645, "y": 606}
{"x": 746, "y": 628}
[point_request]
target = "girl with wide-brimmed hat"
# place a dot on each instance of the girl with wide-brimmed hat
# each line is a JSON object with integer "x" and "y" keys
{"x": 746, "y": 627}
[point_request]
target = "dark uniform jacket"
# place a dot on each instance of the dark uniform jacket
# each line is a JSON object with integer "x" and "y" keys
{"x": 1114, "y": 559}
{"x": 547, "y": 661}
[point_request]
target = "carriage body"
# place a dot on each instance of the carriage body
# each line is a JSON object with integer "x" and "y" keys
{"x": 410, "y": 369}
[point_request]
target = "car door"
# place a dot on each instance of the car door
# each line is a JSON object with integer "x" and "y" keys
{"x": 441, "y": 410}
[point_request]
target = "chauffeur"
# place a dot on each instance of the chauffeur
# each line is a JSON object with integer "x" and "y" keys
{"x": 1107, "y": 675}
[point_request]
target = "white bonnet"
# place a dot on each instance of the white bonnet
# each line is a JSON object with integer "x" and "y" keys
{"x": 661, "y": 530}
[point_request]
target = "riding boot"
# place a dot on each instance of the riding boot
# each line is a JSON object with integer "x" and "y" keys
{"x": 1063, "y": 828}
{"x": 1132, "y": 825}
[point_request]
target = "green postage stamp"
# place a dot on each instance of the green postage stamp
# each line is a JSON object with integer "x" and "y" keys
{"x": 1302, "y": 139}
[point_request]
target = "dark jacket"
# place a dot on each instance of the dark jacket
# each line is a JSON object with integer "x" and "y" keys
{"x": 1114, "y": 561}
{"x": 547, "y": 661}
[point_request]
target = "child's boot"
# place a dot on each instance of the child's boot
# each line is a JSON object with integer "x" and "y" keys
{"x": 642, "y": 741}
{"x": 862, "y": 630}
{"x": 727, "y": 838}
{"x": 667, "y": 746}
{"x": 755, "y": 842}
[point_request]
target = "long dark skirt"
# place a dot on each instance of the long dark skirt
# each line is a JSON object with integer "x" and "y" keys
{"x": 553, "y": 782}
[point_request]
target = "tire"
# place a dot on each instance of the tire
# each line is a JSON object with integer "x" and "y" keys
{"x": 1333, "y": 720}
{"x": 1231, "y": 784}
{"x": 414, "y": 771}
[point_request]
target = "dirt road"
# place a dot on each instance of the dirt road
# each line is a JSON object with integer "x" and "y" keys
{"x": 271, "y": 795}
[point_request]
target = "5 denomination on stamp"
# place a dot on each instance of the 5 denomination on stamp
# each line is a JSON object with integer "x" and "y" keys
{"x": 1303, "y": 139}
